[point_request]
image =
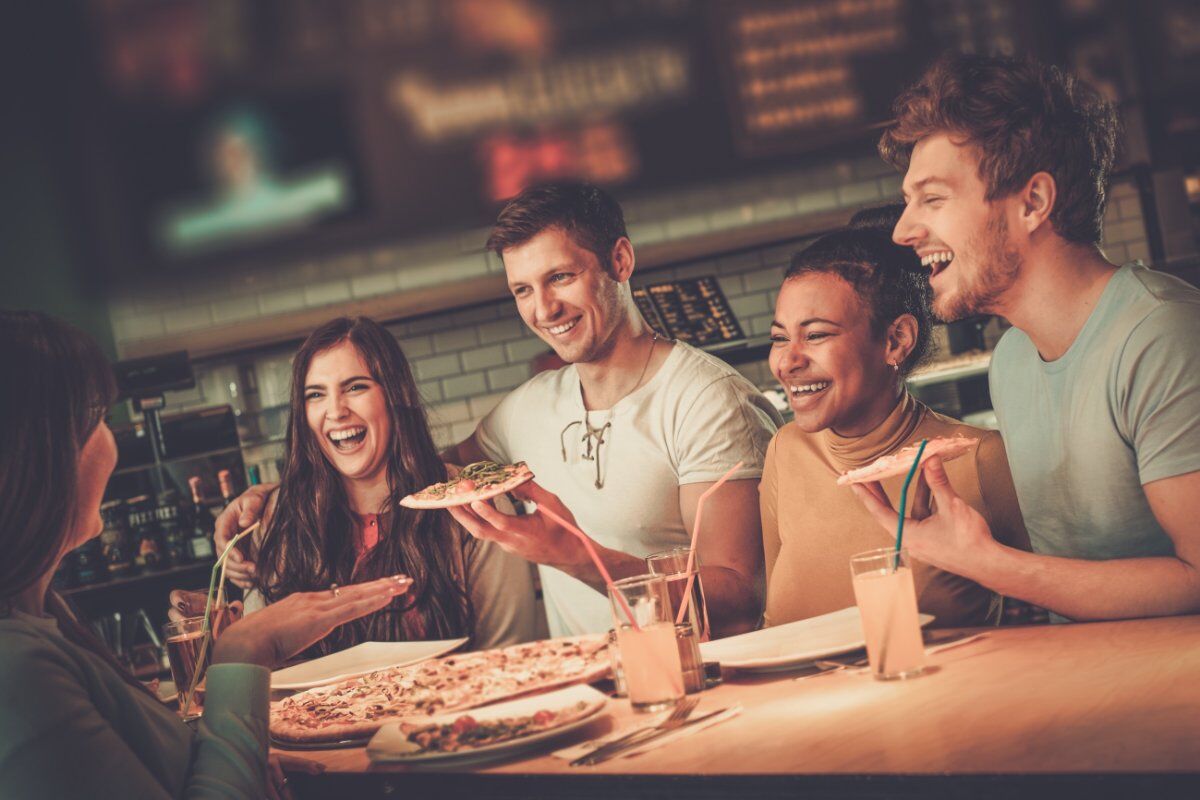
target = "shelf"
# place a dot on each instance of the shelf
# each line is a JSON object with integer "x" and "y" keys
{"x": 956, "y": 367}
{"x": 143, "y": 577}
{"x": 178, "y": 459}
{"x": 261, "y": 442}
{"x": 963, "y": 365}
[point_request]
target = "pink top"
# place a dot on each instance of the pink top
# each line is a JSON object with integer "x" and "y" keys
{"x": 366, "y": 536}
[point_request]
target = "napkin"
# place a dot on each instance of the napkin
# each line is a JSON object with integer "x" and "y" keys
{"x": 582, "y": 749}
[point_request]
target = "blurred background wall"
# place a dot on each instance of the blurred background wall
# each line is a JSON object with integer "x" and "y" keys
{"x": 223, "y": 175}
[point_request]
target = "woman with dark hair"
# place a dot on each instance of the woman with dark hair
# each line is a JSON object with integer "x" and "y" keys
{"x": 74, "y": 723}
{"x": 852, "y": 320}
{"x": 358, "y": 441}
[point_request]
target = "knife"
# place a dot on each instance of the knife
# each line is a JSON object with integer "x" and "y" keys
{"x": 598, "y": 757}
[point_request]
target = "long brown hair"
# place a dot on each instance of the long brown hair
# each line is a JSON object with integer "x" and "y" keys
{"x": 309, "y": 543}
{"x": 59, "y": 388}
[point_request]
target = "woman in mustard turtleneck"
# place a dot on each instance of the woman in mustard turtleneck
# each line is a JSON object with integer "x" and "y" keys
{"x": 851, "y": 321}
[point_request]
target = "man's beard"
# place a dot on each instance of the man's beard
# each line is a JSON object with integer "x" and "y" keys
{"x": 999, "y": 264}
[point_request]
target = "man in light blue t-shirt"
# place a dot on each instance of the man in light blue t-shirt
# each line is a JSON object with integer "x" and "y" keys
{"x": 1096, "y": 387}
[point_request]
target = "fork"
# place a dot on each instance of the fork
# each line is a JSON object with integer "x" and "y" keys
{"x": 682, "y": 711}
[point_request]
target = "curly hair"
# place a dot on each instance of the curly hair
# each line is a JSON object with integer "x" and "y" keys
{"x": 887, "y": 277}
{"x": 1024, "y": 117}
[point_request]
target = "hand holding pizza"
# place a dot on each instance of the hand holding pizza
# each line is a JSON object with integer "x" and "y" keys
{"x": 954, "y": 537}
{"x": 282, "y": 629}
{"x": 533, "y": 537}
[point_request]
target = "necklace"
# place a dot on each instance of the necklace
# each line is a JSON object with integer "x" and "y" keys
{"x": 595, "y": 436}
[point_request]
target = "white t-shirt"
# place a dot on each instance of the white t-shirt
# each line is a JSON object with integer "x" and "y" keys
{"x": 690, "y": 423}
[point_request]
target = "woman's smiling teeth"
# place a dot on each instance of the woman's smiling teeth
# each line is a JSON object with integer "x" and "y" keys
{"x": 558, "y": 330}
{"x": 808, "y": 388}
{"x": 348, "y": 438}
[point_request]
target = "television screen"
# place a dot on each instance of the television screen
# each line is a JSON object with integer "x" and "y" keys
{"x": 237, "y": 171}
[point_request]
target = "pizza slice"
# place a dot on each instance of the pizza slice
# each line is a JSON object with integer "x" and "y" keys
{"x": 899, "y": 462}
{"x": 466, "y": 732}
{"x": 482, "y": 480}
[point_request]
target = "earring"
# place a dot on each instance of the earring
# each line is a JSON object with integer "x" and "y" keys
{"x": 894, "y": 366}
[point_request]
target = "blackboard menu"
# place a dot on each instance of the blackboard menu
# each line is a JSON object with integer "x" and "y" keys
{"x": 693, "y": 310}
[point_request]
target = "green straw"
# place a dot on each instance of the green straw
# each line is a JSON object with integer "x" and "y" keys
{"x": 218, "y": 574}
{"x": 904, "y": 500}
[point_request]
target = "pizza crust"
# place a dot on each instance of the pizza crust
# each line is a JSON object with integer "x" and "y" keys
{"x": 899, "y": 462}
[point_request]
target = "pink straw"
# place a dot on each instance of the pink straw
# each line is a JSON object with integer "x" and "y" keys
{"x": 691, "y": 564}
{"x": 587, "y": 543}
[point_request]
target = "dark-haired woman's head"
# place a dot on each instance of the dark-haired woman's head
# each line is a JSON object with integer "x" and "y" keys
{"x": 57, "y": 452}
{"x": 851, "y": 321}
{"x": 357, "y": 417}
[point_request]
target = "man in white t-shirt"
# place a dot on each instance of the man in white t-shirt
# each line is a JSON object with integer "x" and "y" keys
{"x": 624, "y": 439}
{"x": 1096, "y": 386}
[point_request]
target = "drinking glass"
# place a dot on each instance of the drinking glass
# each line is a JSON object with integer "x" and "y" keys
{"x": 887, "y": 606}
{"x": 672, "y": 565}
{"x": 649, "y": 652}
{"x": 184, "y": 639}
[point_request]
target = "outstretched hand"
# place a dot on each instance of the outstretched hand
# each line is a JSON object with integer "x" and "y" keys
{"x": 534, "y": 537}
{"x": 282, "y": 629}
{"x": 943, "y": 530}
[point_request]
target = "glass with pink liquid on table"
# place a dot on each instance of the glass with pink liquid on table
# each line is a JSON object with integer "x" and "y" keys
{"x": 649, "y": 653}
{"x": 887, "y": 606}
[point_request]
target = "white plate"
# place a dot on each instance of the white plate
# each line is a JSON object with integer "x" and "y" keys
{"x": 793, "y": 644}
{"x": 359, "y": 660}
{"x": 389, "y": 744}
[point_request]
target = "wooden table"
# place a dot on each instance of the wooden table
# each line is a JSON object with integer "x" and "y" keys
{"x": 1110, "y": 709}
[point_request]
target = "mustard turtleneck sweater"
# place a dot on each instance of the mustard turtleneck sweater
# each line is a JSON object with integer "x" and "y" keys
{"x": 811, "y": 526}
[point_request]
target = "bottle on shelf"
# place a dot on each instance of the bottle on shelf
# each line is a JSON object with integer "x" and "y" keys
{"x": 253, "y": 474}
{"x": 144, "y": 531}
{"x": 170, "y": 529}
{"x": 200, "y": 541}
{"x": 115, "y": 540}
{"x": 228, "y": 494}
{"x": 225, "y": 481}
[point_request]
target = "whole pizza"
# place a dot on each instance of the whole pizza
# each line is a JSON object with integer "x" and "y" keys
{"x": 356, "y": 708}
{"x": 482, "y": 480}
{"x": 899, "y": 462}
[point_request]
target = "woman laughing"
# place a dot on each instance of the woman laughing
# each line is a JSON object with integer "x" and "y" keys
{"x": 851, "y": 322}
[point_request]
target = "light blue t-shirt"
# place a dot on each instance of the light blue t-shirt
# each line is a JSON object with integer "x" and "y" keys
{"x": 1120, "y": 409}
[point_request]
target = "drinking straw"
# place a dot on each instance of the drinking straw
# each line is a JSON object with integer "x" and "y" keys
{"x": 887, "y": 626}
{"x": 587, "y": 543}
{"x": 691, "y": 563}
{"x": 218, "y": 574}
{"x": 904, "y": 501}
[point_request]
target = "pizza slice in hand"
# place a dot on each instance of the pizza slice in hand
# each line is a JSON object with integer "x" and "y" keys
{"x": 899, "y": 462}
{"x": 482, "y": 480}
